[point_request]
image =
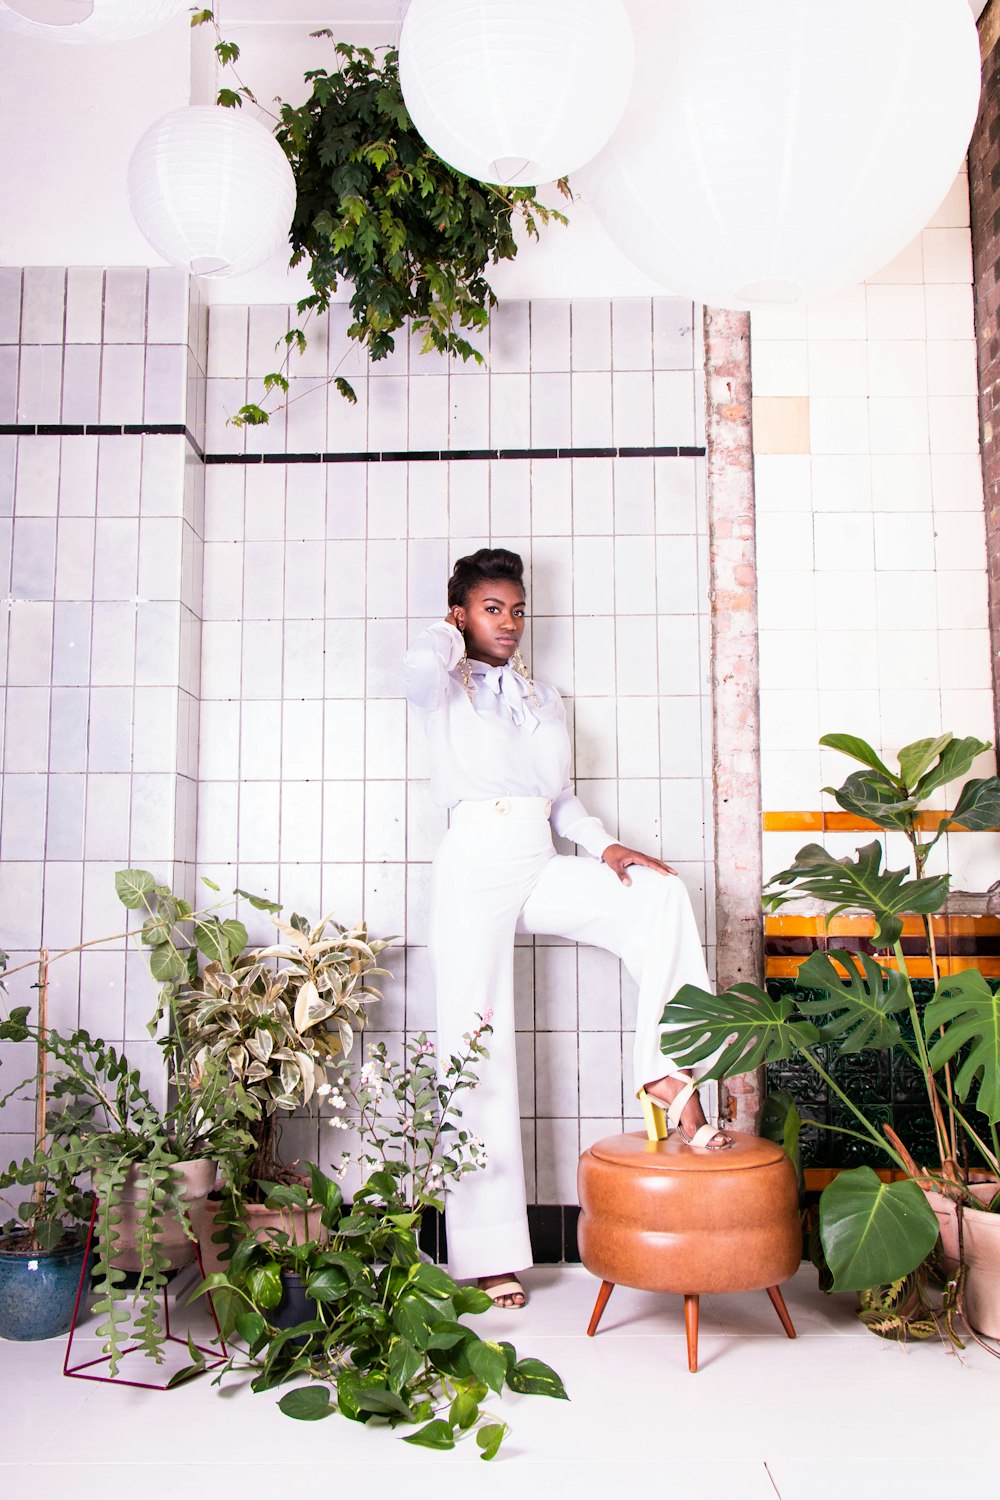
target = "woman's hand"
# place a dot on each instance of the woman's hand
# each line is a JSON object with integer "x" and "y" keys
{"x": 618, "y": 858}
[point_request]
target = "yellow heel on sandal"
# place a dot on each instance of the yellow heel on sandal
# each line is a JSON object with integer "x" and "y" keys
{"x": 654, "y": 1117}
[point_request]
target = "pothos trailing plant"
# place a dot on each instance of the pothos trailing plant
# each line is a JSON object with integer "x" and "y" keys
{"x": 876, "y": 1236}
{"x": 376, "y": 207}
{"x": 384, "y": 1341}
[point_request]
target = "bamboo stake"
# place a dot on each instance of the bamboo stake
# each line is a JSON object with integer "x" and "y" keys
{"x": 41, "y": 1093}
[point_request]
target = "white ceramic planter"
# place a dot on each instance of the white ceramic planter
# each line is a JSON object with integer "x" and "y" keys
{"x": 946, "y": 1214}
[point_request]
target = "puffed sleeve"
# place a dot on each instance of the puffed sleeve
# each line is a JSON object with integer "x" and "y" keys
{"x": 435, "y": 652}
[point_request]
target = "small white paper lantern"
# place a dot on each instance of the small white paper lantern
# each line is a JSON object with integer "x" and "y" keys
{"x": 516, "y": 91}
{"x": 88, "y": 20}
{"x": 211, "y": 190}
{"x": 780, "y": 151}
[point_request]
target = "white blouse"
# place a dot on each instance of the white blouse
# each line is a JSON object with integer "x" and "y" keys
{"x": 502, "y": 738}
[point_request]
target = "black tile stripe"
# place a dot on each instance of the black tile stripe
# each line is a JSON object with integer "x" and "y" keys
{"x": 408, "y": 456}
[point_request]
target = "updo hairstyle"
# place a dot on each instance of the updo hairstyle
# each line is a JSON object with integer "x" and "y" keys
{"x": 484, "y": 566}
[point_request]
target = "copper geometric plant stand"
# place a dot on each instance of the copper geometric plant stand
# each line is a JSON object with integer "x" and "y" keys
{"x": 76, "y": 1372}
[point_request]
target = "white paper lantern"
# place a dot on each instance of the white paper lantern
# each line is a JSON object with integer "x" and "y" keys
{"x": 88, "y": 20}
{"x": 782, "y": 150}
{"x": 516, "y": 91}
{"x": 211, "y": 190}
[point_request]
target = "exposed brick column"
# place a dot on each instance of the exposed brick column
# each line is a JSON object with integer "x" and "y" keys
{"x": 735, "y": 685}
{"x": 984, "y": 188}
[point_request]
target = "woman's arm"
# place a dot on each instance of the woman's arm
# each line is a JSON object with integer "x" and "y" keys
{"x": 434, "y": 653}
{"x": 571, "y": 820}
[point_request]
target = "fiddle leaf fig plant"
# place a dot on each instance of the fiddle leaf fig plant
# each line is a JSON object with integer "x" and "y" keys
{"x": 875, "y": 1236}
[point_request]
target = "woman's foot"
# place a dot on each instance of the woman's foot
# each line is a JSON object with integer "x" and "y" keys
{"x": 665, "y": 1090}
{"x": 506, "y": 1290}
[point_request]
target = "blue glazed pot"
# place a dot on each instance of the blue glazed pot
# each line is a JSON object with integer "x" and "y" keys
{"x": 37, "y": 1291}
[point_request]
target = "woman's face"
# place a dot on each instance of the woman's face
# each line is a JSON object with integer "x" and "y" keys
{"x": 492, "y": 620}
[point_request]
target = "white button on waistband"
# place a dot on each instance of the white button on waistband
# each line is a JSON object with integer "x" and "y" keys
{"x": 502, "y": 805}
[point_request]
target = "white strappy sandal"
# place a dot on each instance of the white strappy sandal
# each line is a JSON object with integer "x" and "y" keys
{"x": 660, "y": 1121}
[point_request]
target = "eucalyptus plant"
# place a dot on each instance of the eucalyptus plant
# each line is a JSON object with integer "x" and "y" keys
{"x": 875, "y": 1234}
{"x": 385, "y": 1340}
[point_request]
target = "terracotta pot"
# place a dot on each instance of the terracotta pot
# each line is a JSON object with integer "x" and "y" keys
{"x": 981, "y": 1238}
{"x": 300, "y": 1224}
{"x": 197, "y": 1181}
{"x": 980, "y": 1186}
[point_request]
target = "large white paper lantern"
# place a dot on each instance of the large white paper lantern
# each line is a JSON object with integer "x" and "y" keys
{"x": 211, "y": 190}
{"x": 783, "y": 150}
{"x": 516, "y": 91}
{"x": 88, "y": 20}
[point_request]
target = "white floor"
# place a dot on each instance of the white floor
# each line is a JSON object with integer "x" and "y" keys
{"x": 836, "y": 1413}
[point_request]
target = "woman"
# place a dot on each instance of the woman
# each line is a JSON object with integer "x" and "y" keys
{"x": 500, "y": 760}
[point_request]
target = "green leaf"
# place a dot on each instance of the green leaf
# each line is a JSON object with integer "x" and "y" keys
{"x": 404, "y": 1362}
{"x": 275, "y": 379}
{"x": 250, "y": 415}
{"x": 915, "y": 759}
{"x": 464, "y": 1411}
{"x": 860, "y": 882}
{"x": 446, "y": 1334}
{"x": 489, "y": 1439}
{"x": 327, "y": 1285}
{"x": 259, "y": 903}
{"x": 432, "y": 1280}
{"x": 133, "y": 886}
{"x": 165, "y": 964}
{"x": 251, "y": 1328}
{"x": 229, "y": 99}
{"x": 781, "y": 1122}
{"x": 436, "y": 1434}
{"x": 744, "y": 1025}
{"x": 384, "y": 1403}
{"x": 284, "y": 1195}
{"x": 956, "y": 759}
{"x": 533, "y": 1378}
{"x": 213, "y": 940}
{"x": 210, "y": 883}
{"x": 968, "y": 1012}
{"x": 873, "y": 1232}
{"x": 346, "y": 389}
{"x": 415, "y": 1320}
{"x": 470, "y": 1299}
{"x": 863, "y": 1004}
{"x": 487, "y": 1362}
{"x": 857, "y": 749}
{"x": 264, "y": 1284}
{"x": 978, "y": 806}
{"x": 870, "y": 796}
{"x": 307, "y": 1403}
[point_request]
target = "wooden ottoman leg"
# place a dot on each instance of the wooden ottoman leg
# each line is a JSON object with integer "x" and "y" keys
{"x": 691, "y": 1325}
{"x": 778, "y": 1302}
{"x": 607, "y": 1287}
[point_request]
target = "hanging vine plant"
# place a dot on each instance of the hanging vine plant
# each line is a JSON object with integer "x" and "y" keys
{"x": 378, "y": 209}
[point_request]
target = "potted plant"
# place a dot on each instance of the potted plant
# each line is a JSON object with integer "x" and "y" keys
{"x": 377, "y": 208}
{"x": 42, "y": 1249}
{"x": 150, "y": 1172}
{"x": 876, "y": 1234}
{"x": 374, "y": 1328}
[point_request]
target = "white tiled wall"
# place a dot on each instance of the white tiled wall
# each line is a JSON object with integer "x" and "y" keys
{"x": 316, "y": 575}
{"x": 871, "y": 540}
{"x": 255, "y": 635}
{"x": 100, "y": 587}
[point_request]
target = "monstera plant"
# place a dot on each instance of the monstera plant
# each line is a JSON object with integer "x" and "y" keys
{"x": 877, "y": 1233}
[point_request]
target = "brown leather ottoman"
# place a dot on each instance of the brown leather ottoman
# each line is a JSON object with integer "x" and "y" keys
{"x": 666, "y": 1217}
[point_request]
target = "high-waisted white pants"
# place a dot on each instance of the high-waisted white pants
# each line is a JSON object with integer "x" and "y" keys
{"x": 496, "y": 872}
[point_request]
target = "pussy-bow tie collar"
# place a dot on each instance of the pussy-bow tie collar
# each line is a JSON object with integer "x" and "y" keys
{"x": 511, "y": 690}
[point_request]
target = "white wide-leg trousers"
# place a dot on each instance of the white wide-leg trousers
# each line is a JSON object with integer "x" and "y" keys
{"x": 496, "y": 872}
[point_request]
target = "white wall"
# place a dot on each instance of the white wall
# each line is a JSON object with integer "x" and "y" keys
{"x": 871, "y": 539}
